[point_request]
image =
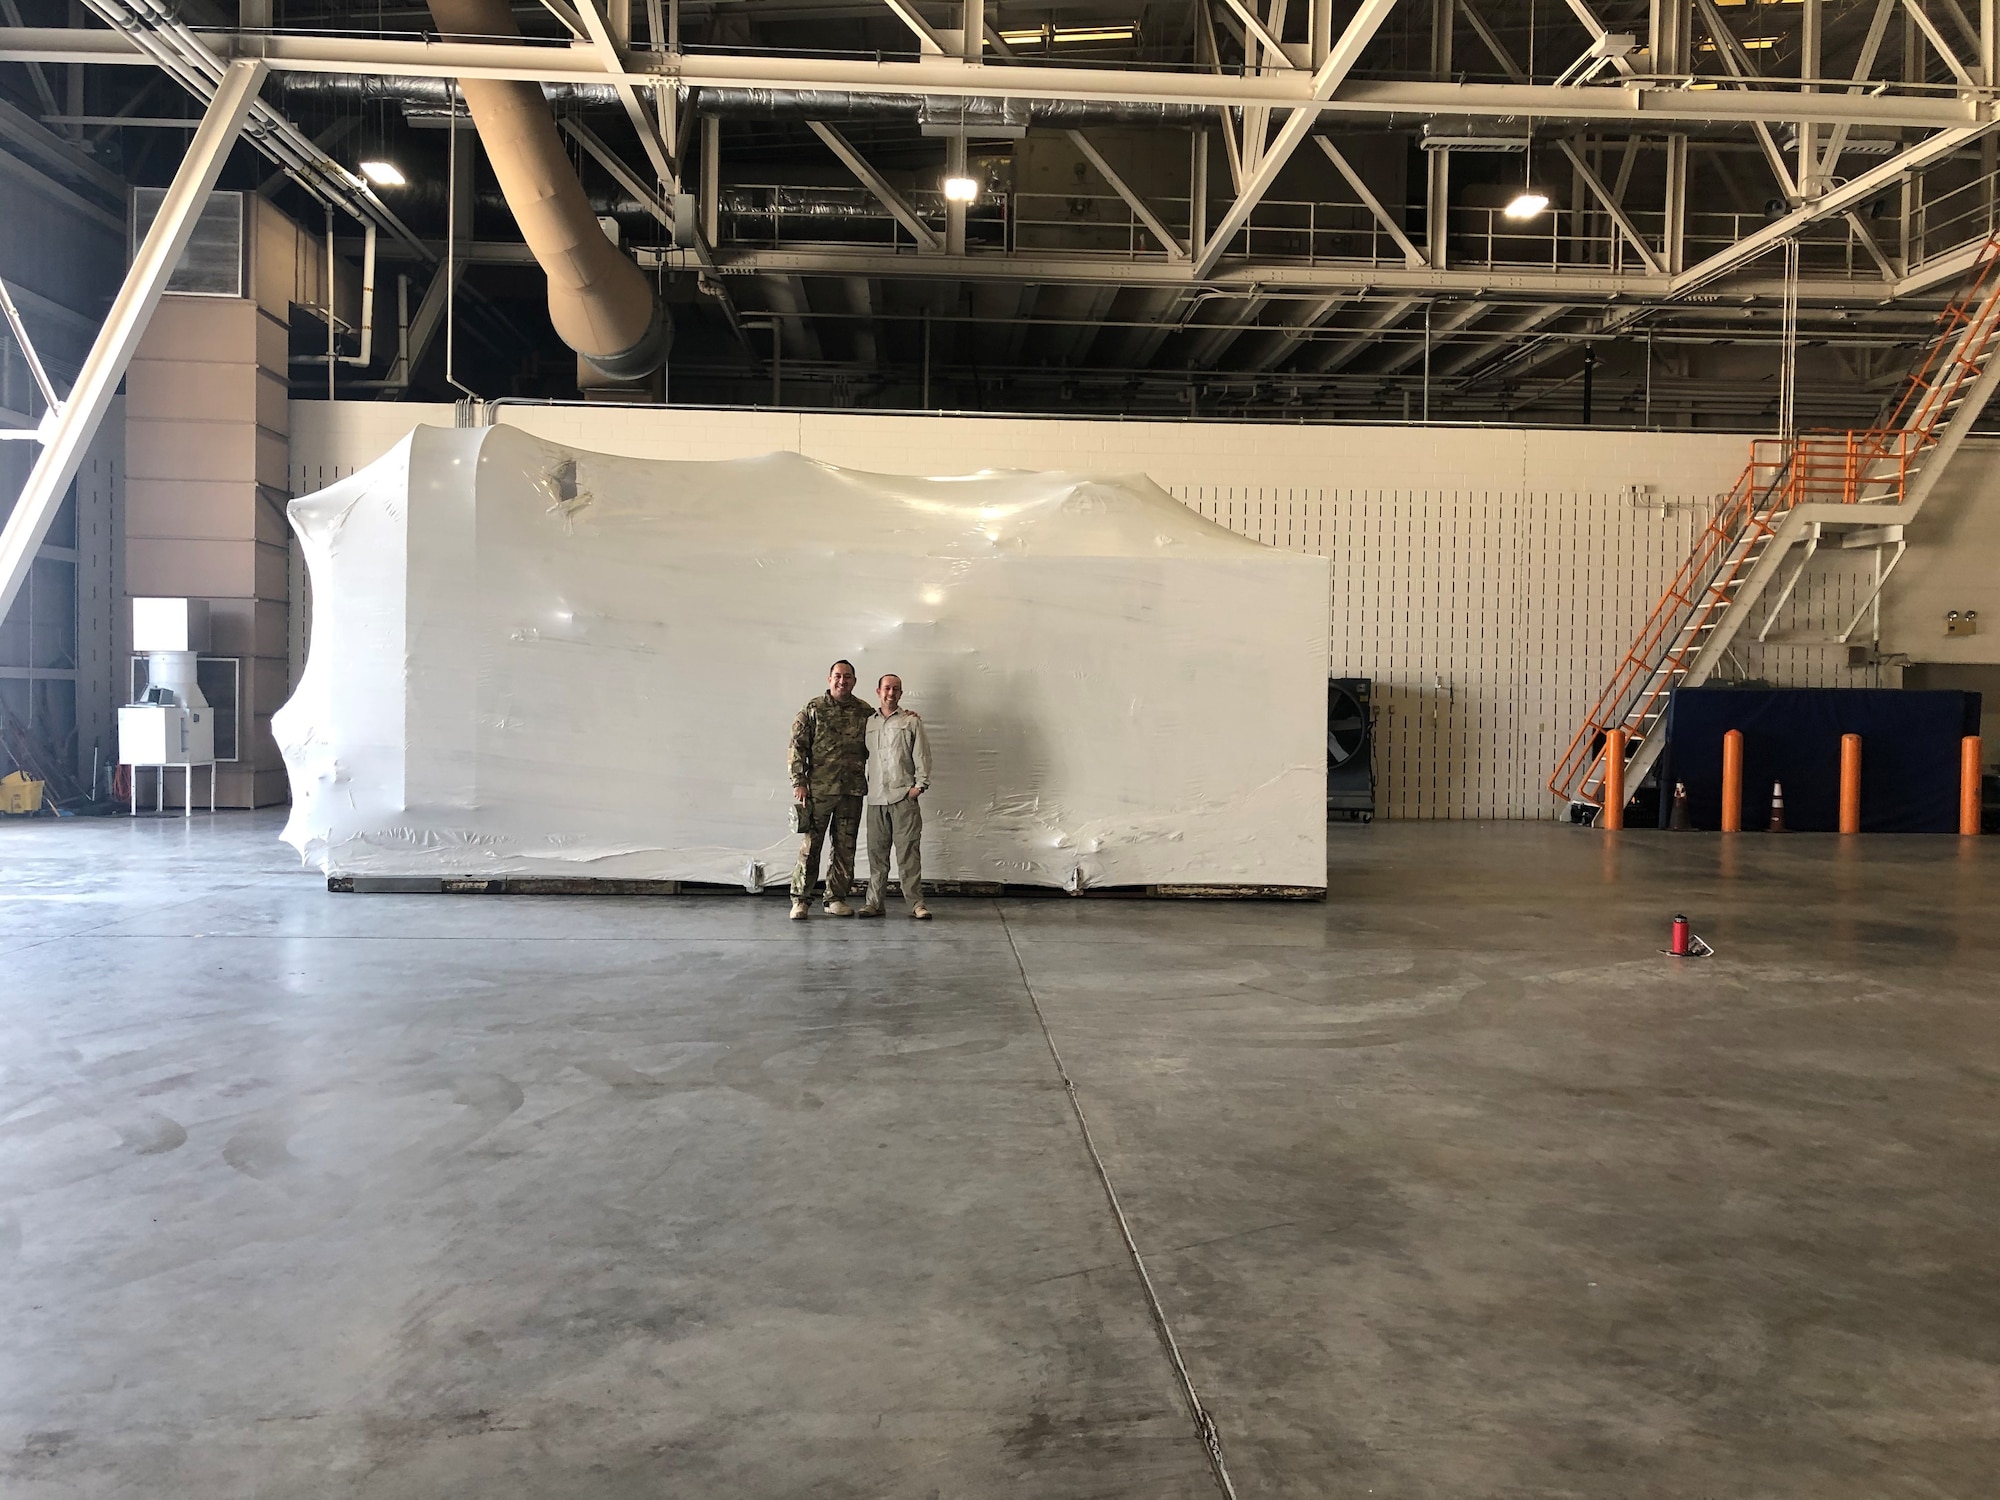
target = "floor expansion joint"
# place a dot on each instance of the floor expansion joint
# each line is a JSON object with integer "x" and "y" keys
{"x": 1204, "y": 1424}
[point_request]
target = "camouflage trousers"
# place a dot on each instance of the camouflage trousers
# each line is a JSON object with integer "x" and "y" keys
{"x": 840, "y": 817}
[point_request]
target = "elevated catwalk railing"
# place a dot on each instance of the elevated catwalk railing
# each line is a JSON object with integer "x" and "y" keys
{"x": 1865, "y": 485}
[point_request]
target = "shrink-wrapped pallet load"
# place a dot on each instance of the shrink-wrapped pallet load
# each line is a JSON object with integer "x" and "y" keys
{"x": 532, "y": 661}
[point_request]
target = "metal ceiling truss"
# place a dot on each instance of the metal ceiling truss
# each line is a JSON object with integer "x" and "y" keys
{"x": 1633, "y": 121}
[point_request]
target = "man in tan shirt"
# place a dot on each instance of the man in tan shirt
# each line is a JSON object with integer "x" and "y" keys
{"x": 899, "y": 773}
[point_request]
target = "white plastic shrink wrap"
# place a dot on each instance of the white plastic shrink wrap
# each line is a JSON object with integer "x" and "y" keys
{"x": 529, "y": 660}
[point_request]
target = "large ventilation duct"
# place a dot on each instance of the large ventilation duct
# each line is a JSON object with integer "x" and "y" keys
{"x": 601, "y": 303}
{"x": 422, "y": 95}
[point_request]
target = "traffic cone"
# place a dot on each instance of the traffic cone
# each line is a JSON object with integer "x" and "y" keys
{"x": 1678, "y": 819}
{"x": 1777, "y": 807}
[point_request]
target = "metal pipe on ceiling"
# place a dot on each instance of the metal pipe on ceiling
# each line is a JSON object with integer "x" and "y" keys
{"x": 434, "y": 95}
{"x": 157, "y": 34}
{"x": 426, "y": 95}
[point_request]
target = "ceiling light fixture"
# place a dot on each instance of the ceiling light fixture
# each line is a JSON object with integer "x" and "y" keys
{"x": 1527, "y": 203}
{"x": 961, "y": 189}
{"x": 1047, "y": 36}
{"x": 383, "y": 174}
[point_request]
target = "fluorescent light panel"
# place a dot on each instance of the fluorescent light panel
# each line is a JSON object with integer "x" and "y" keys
{"x": 383, "y": 173}
{"x": 1062, "y": 35}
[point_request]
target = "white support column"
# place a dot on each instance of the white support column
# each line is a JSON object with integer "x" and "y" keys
{"x": 123, "y": 327}
{"x": 1669, "y": 37}
{"x": 954, "y": 209}
{"x": 1809, "y": 66}
{"x": 1198, "y": 186}
{"x": 1673, "y": 246}
{"x": 711, "y": 178}
{"x": 1437, "y": 207}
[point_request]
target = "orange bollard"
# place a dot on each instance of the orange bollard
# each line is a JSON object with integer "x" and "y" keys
{"x": 1613, "y": 815}
{"x": 1850, "y": 783}
{"x": 1968, "y": 785}
{"x": 1732, "y": 781}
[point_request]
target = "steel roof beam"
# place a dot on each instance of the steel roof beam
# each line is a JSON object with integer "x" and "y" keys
{"x": 1140, "y": 209}
{"x": 68, "y": 434}
{"x": 1855, "y": 191}
{"x": 1736, "y": 62}
{"x": 878, "y": 186}
{"x": 1412, "y": 256}
{"x": 1325, "y": 81}
{"x": 1527, "y": 284}
{"x": 1611, "y": 206}
{"x": 1661, "y": 104}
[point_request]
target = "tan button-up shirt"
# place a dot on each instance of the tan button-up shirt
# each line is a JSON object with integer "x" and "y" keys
{"x": 899, "y": 758}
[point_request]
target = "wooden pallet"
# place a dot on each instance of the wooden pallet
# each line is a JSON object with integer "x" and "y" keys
{"x": 542, "y": 885}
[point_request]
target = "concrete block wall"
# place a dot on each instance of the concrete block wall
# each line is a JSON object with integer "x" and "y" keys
{"x": 1486, "y": 578}
{"x": 1954, "y": 563}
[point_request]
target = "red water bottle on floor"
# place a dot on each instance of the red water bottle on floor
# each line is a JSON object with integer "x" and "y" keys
{"x": 1679, "y": 946}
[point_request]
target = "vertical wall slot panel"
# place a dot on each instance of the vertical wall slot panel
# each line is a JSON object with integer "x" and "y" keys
{"x": 1491, "y": 618}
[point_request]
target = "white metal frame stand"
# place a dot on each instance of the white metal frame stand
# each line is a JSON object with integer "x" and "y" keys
{"x": 160, "y": 785}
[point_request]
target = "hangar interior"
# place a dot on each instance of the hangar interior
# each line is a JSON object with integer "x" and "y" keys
{"x": 1607, "y": 1118}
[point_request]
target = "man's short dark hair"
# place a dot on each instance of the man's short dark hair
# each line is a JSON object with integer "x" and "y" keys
{"x": 843, "y": 662}
{"x": 884, "y": 678}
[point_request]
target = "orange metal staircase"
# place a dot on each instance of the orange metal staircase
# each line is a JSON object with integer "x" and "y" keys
{"x": 1789, "y": 492}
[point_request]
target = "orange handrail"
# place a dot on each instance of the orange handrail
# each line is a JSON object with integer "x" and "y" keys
{"x": 1868, "y": 466}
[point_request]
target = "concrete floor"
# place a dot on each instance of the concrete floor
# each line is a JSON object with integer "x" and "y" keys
{"x": 1452, "y": 1186}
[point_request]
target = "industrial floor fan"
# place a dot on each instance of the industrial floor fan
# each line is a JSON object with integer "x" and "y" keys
{"x": 1350, "y": 749}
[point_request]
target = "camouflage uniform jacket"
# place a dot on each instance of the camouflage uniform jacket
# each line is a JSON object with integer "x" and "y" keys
{"x": 829, "y": 750}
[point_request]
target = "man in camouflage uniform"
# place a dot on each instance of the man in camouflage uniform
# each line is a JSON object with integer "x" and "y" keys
{"x": 829, "y": 763}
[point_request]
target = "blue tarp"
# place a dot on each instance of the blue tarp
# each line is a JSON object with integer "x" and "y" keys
{"x": 1909, "y": 755}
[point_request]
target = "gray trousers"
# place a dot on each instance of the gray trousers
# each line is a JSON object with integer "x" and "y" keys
{"x": 900, "y": 823}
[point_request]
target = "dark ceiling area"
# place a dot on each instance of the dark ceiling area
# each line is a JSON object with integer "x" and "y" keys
{"x": 803, "y": 246}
